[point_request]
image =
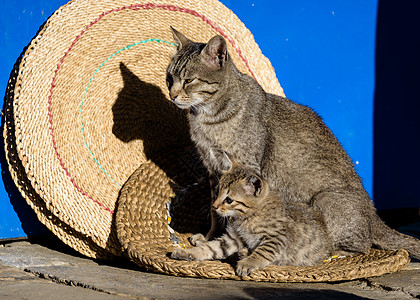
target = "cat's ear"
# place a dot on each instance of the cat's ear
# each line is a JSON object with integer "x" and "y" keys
{"x": 253, "y": 186}
{"x": 229, "y": 163}
{"x": 180, "y": 39}
{"x": 215, "y": 52}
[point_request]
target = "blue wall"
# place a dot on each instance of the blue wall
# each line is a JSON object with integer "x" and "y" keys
{"x": 323, "y": 53}
{"x": 19, "y": 23}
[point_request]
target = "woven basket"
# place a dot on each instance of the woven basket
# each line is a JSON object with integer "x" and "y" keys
{"x": 149, "y": 229}
{"x": 87, "y": 104}
{"x": 100, "y": 154}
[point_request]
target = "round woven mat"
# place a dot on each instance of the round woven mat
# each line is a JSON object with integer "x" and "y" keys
{"x": 87, "y": 104}
{"x": 155, "y": 215}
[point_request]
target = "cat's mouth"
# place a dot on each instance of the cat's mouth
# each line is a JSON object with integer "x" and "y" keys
{"x": 194, "y": 109}
{"x": 223, "y": 213}
{"x": 182, "y": 105}
{"x": 219, "y": 212}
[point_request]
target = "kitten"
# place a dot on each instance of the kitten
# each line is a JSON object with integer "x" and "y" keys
{"x": 260, "y": 221}
{"x": 286, "y": 143}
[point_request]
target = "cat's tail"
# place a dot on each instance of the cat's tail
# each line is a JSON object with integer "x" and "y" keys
{"x": 387, "y": 238}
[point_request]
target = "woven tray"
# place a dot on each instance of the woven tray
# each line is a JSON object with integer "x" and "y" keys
{"x": 149, "y": 229}
{"x": 87, "y": 104}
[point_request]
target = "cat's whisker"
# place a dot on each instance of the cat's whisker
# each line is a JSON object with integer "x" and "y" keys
{"x": 205, "y": 212}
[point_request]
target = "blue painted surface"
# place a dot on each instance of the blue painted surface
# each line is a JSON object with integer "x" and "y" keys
{"x": 323, "y": 53}
{"x": 19, "y": 23}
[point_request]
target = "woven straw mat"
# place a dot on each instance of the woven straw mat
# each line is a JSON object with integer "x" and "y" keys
{"x": 148, "y": 237}
{"x": 101, "y": 155}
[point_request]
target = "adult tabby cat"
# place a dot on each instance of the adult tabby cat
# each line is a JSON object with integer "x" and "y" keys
{"x": 284, "y": 142}
{"x": 259, "y": 221}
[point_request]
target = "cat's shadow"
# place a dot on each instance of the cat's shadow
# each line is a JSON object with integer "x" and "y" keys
{"x": 143, "y": 112}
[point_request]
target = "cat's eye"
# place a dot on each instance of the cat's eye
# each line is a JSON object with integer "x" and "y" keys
{"x": 169, "y": 80}
{"x": 189, "y": 80}
{"x": 228, "y": 200}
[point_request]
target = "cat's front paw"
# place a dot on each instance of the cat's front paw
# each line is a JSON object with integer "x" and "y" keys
{"x": 197, "y": 239}
{"x": 182, "y": 254}
{"x": 245, "y": 267}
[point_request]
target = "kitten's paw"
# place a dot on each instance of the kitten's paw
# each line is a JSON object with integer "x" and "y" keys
{"x": 197, "y": 239}
{"x": 245, "y": 267}
{"x": 243, "y": 253}
{"x": 182, "y": 254}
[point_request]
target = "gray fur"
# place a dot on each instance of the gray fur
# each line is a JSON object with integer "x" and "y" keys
{"x": 271, "y": 230}
{"x": 286, "y": 143}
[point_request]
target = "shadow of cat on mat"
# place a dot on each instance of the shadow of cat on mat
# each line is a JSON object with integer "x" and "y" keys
{"x": 143, "y": 112}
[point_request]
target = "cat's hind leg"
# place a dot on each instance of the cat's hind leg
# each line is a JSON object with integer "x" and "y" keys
{"x": 346, "y": 213}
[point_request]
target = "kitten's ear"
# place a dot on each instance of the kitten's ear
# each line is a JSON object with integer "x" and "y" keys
{"x": 253, "y": 186}
{"x": 215, "y": 52}
{"x": 229, "y": 163}
{"x": 180, "y": 39}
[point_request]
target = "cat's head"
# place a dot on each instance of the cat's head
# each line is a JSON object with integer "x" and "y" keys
{"x": 196, "y": 71}
{"x": 241, "y": 191}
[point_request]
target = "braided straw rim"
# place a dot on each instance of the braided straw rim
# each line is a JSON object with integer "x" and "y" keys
{"x": 81, "y": 73}
{"x": 145, "y": 237}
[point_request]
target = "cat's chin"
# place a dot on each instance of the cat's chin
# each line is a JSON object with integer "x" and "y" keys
{"x": 220, "y": 214}
{"x": 193, "y": 109}
{"x": 183, "y": 105}
{"x": 226, "y": 214}
{"x": 195, "y": 104}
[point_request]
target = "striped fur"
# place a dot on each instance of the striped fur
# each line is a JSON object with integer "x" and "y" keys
{"x": 265, "y": 225}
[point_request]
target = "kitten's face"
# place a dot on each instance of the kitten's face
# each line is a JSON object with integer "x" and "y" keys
{"x": 194, "y": 76}
{"x": 240, "y": 193}
{"x": 232, "y": 201}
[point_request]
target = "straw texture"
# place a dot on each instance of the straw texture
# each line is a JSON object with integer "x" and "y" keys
{"x": 87, "y": 104}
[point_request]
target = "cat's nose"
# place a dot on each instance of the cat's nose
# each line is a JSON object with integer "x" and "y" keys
{"x": 173, "y": 96}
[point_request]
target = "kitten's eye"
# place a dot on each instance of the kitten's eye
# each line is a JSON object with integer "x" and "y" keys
{"x": 217, "y": 190}
{"x": 189, "y": 80}
{"x": 228, "y": 200}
